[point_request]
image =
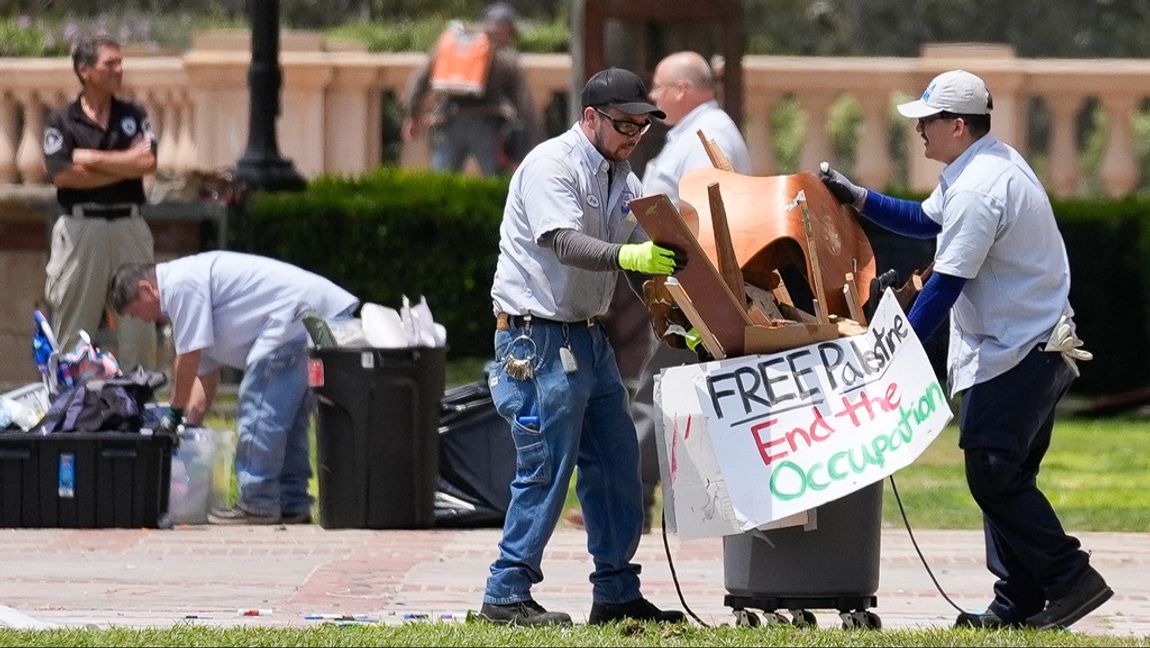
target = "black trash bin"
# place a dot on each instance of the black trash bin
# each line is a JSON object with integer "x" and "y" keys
{"x": 377, "y": 441}
{"x": 834, "y": 566}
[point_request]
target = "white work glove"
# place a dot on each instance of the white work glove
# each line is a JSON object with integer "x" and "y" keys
{"x": 1065, "y": 340}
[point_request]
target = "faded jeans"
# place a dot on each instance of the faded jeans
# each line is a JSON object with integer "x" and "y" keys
{"x": 273, "y": 463}
{"x": 584, "y": 423}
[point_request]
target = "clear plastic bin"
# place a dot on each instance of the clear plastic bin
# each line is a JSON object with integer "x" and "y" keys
{"x": 201, "y": 474}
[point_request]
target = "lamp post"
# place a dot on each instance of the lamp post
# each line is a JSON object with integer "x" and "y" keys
{"x": 261, "y": 166}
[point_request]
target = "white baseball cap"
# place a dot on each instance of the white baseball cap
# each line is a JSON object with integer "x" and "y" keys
{"x": 957, "y": 91}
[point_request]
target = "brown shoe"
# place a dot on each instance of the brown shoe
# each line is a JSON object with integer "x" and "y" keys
{"x": 574, "y": 517}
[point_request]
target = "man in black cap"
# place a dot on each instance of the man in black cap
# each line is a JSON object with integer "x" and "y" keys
{"x": 567, "y": 230}
{"x": 479, "y": 97}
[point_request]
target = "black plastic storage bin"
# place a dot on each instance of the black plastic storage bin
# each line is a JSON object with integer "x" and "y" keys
{"x": 377, "y": 439}
{"x": 835, "y": 566}
{"x": 96, "y": 480}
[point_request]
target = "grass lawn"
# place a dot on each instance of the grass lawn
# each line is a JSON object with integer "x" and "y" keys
{"x": 482, "y": 634}
{"x": 1096, "y": 474}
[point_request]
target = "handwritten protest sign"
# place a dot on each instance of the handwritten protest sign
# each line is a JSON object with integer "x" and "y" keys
{"x": 757, "y": 440}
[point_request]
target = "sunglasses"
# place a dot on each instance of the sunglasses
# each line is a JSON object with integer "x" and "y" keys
{"x": 624, "y": 127}
{"x": 923, "y": 122}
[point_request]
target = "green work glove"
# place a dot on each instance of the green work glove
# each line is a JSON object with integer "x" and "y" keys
{"x": 695, "y": 343}
{"x": 647, "y": 258}
{"x": 693, "y": 338}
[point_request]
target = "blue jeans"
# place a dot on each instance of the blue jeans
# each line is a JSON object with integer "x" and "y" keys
{"x": 1005, "y": 426}
{"x": 273, "y": 462}
{"x": 462, "y": 135}
{"x": 584, "y": 423}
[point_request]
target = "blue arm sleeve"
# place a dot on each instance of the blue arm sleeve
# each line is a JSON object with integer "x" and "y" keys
{"x": 900, "y": 216}
{"x": 933, "y": 303}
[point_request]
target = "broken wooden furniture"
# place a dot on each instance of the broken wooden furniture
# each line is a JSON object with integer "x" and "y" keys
{"x": 739, "y": 242}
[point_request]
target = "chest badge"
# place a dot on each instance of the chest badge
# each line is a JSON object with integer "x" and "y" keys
{"x": 625, "y": 204}
{"x": 593, "y": 200}
{"x": 128, "y": 125}
{"x": 53, "y": 140}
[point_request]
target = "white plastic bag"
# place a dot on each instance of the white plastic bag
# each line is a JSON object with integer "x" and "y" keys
{"x": 13, "y": 411}
{"x": 420, "y": 326}
{"x": 382, "y": 327}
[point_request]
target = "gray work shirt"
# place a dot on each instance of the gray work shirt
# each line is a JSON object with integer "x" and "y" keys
{"x": 237, "y": 308}
{"x": 998, "y": 233}
{"x": 562, "y": 184}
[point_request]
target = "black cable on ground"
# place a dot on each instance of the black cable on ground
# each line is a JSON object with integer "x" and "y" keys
{"x": 905, "y": 521}
{"x": 910, "y": 533}
{"x": 675, "y": 576}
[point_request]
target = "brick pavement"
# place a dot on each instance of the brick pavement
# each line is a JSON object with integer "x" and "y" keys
{"x": 204, "y": 574}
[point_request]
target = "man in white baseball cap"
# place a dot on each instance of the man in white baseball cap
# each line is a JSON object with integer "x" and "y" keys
{"x": 1002, "y": 275}
{"x": 957, "y": 91}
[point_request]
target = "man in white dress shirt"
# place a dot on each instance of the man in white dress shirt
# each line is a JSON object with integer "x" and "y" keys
{"x": 684, "y": 88}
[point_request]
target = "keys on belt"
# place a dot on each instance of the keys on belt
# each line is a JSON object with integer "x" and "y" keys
{"x": 507, "y": 321}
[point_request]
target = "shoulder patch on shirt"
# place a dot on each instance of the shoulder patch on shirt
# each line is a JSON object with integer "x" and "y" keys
{"x": 128, "y": 125}
{"x": 53, "y": 140}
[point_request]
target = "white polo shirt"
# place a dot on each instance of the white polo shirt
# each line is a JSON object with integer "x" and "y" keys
{"x": 237, "y": 308}
{"x": 683, "y": 151}
{"x": 561, "y": 184}
{"x": 999, "y": 233}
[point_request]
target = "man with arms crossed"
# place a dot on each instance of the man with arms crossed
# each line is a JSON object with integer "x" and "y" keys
{"x": 97, "y": 150}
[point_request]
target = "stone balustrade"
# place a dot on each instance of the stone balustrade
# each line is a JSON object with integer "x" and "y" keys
{"x": 332, "y": 121}
{"x": 332, "y": 108}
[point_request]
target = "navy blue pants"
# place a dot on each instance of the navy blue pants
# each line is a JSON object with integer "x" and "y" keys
{"x": 1005, "y": 426}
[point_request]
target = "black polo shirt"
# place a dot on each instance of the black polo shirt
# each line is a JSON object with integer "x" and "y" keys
{"x": 69, "y": 129}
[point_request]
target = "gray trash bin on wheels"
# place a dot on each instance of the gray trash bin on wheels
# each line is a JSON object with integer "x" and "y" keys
{"x": 377, "y": 435}
{"x": 835, "y": 566}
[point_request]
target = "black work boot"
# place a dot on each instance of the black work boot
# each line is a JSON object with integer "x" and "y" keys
{"x": 638, "y": 610}
{"x": 1089, "y": 592}
{"x": 988, "y": 620}
{"x": 522, "y": 613}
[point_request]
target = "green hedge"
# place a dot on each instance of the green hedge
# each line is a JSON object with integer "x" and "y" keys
{"x": 393, "y": 232}
{"x": 1109, "y": 248}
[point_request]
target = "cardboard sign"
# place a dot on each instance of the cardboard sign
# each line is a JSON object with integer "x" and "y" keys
{"x": 758, "y": 440}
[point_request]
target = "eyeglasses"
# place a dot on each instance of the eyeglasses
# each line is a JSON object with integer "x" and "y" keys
{"x": 923, "y": 122}
{"x": 624, "y": 127}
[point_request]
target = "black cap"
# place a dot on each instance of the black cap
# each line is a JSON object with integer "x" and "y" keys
{"x": 619, "y": 88}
